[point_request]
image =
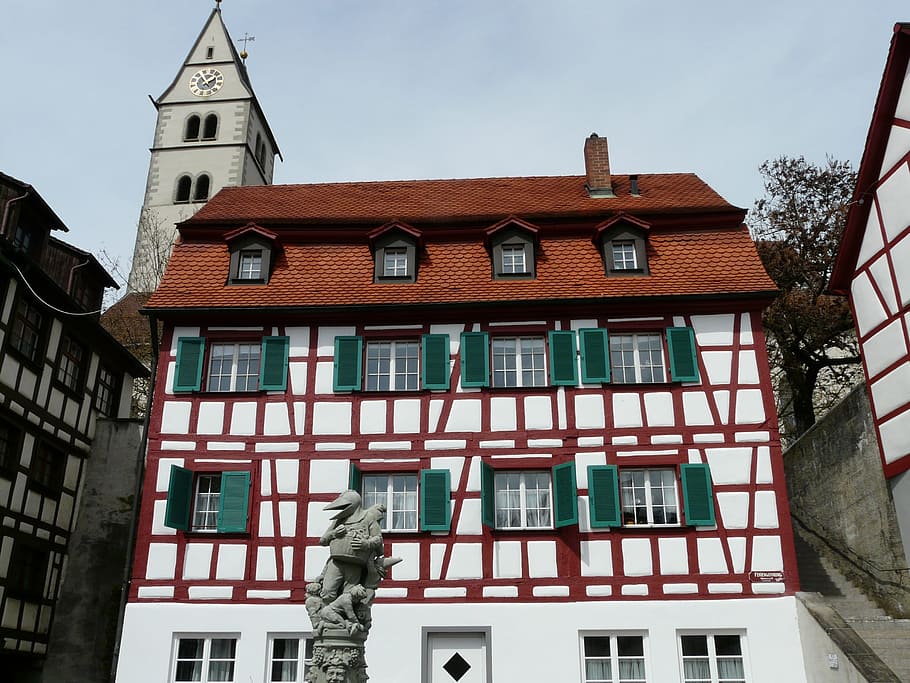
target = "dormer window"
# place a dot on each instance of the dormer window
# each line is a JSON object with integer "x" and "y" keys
{"x": 513, "y": 259}
{"x": 395, "y": 262}
{"x": 624, "y": 255}
{"x": 394, "y": 247}
{"x": 512, "y": 244}
{"x": 250, "y": 267}
{"x": 622, "y": 242}
{"x": 253, "y": 251}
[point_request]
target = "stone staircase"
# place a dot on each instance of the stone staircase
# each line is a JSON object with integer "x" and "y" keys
{"x": 888, "y": 639}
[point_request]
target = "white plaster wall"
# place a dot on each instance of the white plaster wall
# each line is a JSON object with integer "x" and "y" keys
{"x": 817, "y": 648}
{"x": 772, "y": 642}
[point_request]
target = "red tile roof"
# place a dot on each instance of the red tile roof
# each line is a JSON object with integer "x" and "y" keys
{"x": 325, "y": 275}
{"x": 703, "y": 251}
{"x": 421, "y": 201}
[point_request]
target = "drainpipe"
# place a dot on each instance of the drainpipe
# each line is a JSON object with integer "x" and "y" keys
{"x": 137, "y": 499}
{"x": 6, "y": 208}
{"x": 69, "y": 280}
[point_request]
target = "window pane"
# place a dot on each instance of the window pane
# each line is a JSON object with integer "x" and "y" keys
{"x": 694, "y": 645}
{"x": 597, "y": 646}
{"x": 189, "y": 671}
{"x": 630, "y": 646}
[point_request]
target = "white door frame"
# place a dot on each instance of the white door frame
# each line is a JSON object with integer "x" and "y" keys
{"x": 427, "y": 631}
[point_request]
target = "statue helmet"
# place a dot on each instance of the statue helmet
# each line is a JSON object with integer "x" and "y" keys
{"x": 346, "y": 504}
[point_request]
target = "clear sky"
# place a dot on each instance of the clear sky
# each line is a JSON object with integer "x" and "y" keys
{"x": 400, "y": 89}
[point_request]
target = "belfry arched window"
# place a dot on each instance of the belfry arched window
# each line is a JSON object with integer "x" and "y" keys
{"x": 184, "y": 186}
{"x": 191, "y": 132}
{"x": 210, "y": 129}
{"x": 201, "y": 192}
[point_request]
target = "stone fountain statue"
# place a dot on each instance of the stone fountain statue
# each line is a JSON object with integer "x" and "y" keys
{"x": 340, "y": 599}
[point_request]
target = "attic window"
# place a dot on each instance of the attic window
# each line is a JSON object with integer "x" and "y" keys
{"x": 623, "y": 246}
{"x": 513, "y": 253}
{"x": 253, "y": 251}
{"x": 394, "y": 249}
{"x": 250, "y": 265}
{"x": 209, "y": 52}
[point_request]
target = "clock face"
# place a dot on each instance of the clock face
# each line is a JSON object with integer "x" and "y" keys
{"x": 206, "y": 82}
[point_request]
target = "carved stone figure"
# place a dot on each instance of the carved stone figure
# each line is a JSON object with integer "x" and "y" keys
{"x": 339, "y": 600}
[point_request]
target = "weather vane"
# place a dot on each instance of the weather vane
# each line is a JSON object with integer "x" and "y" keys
{"x": 247, "y": 38}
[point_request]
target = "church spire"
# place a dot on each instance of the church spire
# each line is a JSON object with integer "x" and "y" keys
{"x": 211, "y": 133}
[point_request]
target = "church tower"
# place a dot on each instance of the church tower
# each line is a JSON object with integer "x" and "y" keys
{"x": 210, "y": 133}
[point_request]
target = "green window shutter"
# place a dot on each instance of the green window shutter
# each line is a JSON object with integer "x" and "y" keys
{"x": 563, "y": 366}
{"x": 435, "y": 510}
{"x": 565, "y": 495}
{"x": 434, "y": 349}
{"x": 683, "y": 361}
{"x": 603, "y": 496}
{"x": 273, "y": 371}
{"x": 475, "y": 359}
{"x": 348, "y": 363}
{"x": 233, "y": 502}
{"x": 355, "y": 479}
{"x": 179, "y": 499}
{"x": 487, "y": 496}
{"x": 595, "y": 356}
{"x": 190, "y": 356}
{"x": 697, "y": 497}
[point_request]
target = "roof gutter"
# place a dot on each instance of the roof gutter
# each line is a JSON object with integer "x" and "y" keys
{"x": 761, "y": 295}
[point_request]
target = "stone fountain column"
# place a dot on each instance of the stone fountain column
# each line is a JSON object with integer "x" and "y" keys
{"x": 339, "y": 601}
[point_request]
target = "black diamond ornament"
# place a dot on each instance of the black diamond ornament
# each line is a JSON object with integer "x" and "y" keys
{"x": 456, "y": 667}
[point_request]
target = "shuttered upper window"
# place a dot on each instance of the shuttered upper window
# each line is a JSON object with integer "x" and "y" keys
{"x": 391, "y": 365}
{"x": 208, "y": 501}
{"x": 636, "y": 497}
{"x": 412, "y": 500}
{"x": 529, "y": 499}
{"x": 242, "y": 366}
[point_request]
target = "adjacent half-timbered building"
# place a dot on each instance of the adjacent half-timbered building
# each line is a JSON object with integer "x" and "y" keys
{"x": 873, "y": 267}
{"x": 559, "y": 388}
{"x": 59, "y": 373}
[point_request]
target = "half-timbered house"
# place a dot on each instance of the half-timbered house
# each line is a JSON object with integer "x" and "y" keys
{"x": 559, "y": 388}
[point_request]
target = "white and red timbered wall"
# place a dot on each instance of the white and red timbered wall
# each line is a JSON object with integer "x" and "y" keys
{"x": 299, "y": 445}
{"x": 880, "y": 295}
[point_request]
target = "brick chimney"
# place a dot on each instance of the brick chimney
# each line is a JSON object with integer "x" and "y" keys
{"x": 597, "y": 167}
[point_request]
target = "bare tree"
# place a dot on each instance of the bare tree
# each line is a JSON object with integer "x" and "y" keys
{"x": 121, "y": 317}
{"x": 811, "y": 342}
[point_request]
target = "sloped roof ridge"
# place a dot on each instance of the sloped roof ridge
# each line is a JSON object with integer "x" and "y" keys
{"x": 452, "y": 179}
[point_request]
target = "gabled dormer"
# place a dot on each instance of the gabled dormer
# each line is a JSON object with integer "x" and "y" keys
{"x": 512, "y": 244}
{"x": 623, "y": 245}
{"x": 253, "y": 251}
{"x": 395, "y": 246}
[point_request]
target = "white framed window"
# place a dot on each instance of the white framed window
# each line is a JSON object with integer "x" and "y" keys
{"x": 395, "y": 262}
{"x": 392, "y": 366}
{"x": 523, "y": 500}
{"x": 637, "y": 358}
{"x": 624, "y": 255}
{"x": 398, "y": 492}
{"x": 649, "y": 497}
{"x": 712, "y": 658}
{"x": 519, "y": 362}
{"x": 105, "y": 390}
{"x": 290, "y": 658}
{"x": 205, "y": 502}
{"x": 250, "y": 265}
{"x": 613, "y": 659}
{"x": 514, "y": 261}
{"x": 234, "y": 367}
{"x": 205, "y": 659}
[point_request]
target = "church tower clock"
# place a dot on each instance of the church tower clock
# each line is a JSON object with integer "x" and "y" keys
{"x": 210, "y": 133}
